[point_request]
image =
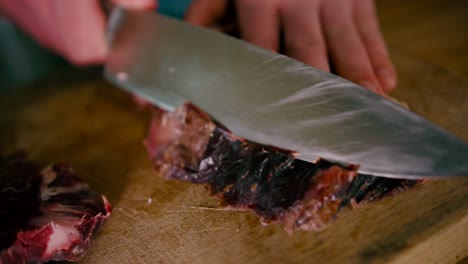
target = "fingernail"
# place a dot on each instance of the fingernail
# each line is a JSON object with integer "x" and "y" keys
{"x": 386, "y": 78}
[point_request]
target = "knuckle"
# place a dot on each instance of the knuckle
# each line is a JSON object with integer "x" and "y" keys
{"x": 297, "y": 6}
{"x": 307, "y": 46}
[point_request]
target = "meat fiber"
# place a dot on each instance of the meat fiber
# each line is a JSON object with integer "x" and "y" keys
{"x": 188, "y": 145}
{"x": 45, "y": 215}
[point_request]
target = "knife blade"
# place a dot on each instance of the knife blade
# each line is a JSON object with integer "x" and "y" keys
{"x": 274, "y": 100}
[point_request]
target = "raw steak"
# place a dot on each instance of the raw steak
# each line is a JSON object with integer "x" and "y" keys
{"x": 45, "y": 215}
{"x": 187, "y": 145}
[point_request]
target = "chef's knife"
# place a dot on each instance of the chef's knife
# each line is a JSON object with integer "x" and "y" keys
{"x": 275, "y": 100}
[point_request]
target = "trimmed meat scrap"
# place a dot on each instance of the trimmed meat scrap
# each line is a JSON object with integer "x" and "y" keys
{"x": 45, "y": 215}
{"x": 186, "y": 144}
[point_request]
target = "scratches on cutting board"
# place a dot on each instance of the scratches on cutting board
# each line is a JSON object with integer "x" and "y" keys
{"x": 196, "y": 208}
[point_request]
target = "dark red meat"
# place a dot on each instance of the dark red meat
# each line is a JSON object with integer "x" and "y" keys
{"x": 45, "y": 215}
{"x": 187, "y": 145}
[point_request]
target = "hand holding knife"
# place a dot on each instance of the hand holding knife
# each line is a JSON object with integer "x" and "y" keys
{"x": 266, "y": 97}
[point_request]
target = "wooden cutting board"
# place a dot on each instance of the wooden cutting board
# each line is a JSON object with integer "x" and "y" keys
{"x": 79, "y": 119}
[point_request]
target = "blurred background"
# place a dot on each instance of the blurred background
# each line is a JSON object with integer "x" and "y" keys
{"x": 436, "y": 31}
{"x": 432, "y": 30}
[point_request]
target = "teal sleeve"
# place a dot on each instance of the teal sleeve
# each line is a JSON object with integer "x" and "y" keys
{"x": 173, "y": 8}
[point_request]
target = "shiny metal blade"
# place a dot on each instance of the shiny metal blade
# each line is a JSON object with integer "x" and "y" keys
{"x": 274, "y": 100}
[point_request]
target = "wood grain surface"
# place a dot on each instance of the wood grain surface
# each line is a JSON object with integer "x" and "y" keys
{"x": 430, "y": 29}
{"x": 79, "y": 119}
